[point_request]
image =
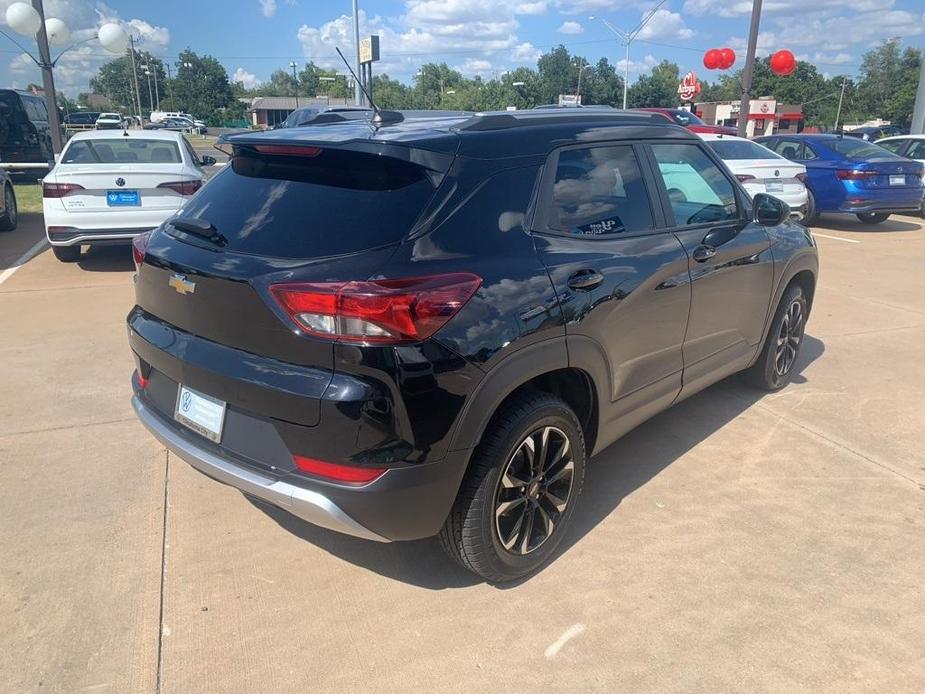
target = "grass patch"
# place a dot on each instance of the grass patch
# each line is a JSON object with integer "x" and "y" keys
{"x": 28, "y": 197}
{"x": 201, "y": 141}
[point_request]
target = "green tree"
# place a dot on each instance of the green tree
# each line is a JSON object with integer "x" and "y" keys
{"x": 115, "y": 81}
{"x": 888, "y": 82}
{"x": 391, "y": 94}
{"x": 558, "y": 74}
{"x": 602, "y": 85}
{"x": 658, "y": 88}
{"x": 201, "y": 88}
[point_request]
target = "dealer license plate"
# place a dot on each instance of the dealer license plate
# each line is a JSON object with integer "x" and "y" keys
{"x": 202, "y": 413}
{"x": 123, "y": 198}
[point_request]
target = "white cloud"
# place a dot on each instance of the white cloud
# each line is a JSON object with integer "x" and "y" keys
{"x": 767, "y": 44}
{"x": 665, "y": 24}
{"x": 268, "y": 7}
{"x": 793, "y": 8}
{"x": 534, "y": 8}
{"x": 570, "y": 28}
{"x": 526, "y": 53}
{"x": 247, "y": 79}
{"x": 636, "y": 68}
{"x": 592, "y": 6}
{"x": 475, "y": 66}
{"x": 151, "y": 36}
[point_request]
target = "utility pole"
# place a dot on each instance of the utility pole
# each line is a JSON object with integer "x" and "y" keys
{"x": 170, "y": 86}
{"x": 841, "y": 98}
{"x": 131, "y": 40}
{"x": 295, "y": 81}
{"x": 357, "y": 92}
{"x": 748, "y": 72}
{"x": 48, "y": 82}
{"x": 918, "y": 113}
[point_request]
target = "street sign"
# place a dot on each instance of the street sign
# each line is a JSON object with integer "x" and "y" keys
{"x": 369, "y": 49}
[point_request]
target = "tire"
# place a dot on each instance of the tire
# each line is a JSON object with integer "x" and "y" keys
{"x": 873, "y": 217}
{"x": 811, "y": 216}
{"x": 10, "y": 217}
{"x": 66, "y": 254}
{"x": 774, "y": 368}
{"x": 496, "y": 544}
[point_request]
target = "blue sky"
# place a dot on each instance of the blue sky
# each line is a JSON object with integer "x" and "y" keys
{"x": 254, "y": 37}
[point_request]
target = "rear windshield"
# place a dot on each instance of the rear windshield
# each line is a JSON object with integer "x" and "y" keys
{"x": 303, "y": 207}
{"x": 859, "y": 150}
{"x": 685, "y": 118}
{"x": 741, "y": 149}
{"x": 120, "y": 150}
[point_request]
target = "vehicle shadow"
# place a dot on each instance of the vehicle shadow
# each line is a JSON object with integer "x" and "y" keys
{"x": 611, "y": 476}
{"x": 850, "y": 223}
{"x": 115, "y": 258}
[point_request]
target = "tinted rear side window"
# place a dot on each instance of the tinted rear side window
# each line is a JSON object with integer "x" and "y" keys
{"x": 304, "y": 207}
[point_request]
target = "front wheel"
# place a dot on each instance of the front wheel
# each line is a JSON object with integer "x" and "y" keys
{"x": 519, "y": 494}
{"x": 775, "y": 364}
{"x": 873, "y": 217}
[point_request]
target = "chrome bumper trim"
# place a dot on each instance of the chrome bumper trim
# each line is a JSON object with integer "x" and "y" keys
{"x": 306, "y": 504}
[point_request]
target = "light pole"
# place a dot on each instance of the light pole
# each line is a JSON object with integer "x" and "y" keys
{"x": 295, "y": 81}
{"x": 144, "y": 69}
{"x": 627, "y": 38}
{"x": 578, "y": 91}
{"x": 157, "y": 97}
{"x": 357, "y": 91}
{"x": 29, "y": 20}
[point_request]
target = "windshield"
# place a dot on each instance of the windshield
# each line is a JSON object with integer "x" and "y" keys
{"x": 325, "y": 203}
{"x": 121, "y": 150}
{"x": 685, "y": 118}
{"x": 741, "y": 149}
{"x": 859, "y": 150}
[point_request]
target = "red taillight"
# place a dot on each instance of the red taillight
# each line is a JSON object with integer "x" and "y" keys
{"x": 855, "y": 174}
{"x": 801, "y": 177}
{"x": 183, "y": 187}
{"x": 381, "y": 311}
{"x": 745, "y": 177}
{"x": 59, "y": 190}
{"x": 337, "y": 472}
{"x": 139, "y": 246}
{"x": 288, "y": 150}
{"x": 142, "y": 381}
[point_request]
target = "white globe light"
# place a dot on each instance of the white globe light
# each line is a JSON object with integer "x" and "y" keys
{"x": 57, "y": 31}
{"x": 23, "y": 19}
{"x": 113, "y": 38}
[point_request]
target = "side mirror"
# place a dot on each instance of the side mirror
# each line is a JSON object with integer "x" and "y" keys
{"x": 206, "y": 160}
{"x": 768, "y": 210}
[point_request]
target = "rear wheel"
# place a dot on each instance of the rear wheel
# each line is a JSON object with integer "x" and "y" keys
{"x": 775, "y": 364}
{"x": 811, "y": 215}
{"x": 873, "y": 217}
{"x": 66, "y": 254}
{"x": 10, "y": 216}
{"x": 518, "y": 496}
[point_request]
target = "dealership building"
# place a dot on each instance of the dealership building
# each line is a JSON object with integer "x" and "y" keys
{"x": 765, "y": 115}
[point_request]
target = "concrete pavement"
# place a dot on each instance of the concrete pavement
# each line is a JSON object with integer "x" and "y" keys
{"x": 733, "y": 543}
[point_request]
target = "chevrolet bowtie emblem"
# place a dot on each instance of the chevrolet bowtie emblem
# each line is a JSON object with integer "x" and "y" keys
{"x": 181, "y": 284}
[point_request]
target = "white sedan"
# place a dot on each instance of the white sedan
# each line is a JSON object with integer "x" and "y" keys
{"x": 108, "y": 187}
{"x": 762, "y": 171}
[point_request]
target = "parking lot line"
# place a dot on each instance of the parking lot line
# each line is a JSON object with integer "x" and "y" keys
{"x": 22, "y": 260}
{"x": 837, "y": 238}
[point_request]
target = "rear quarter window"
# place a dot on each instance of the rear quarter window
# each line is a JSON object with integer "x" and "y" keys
{"x": 304, "y": 207}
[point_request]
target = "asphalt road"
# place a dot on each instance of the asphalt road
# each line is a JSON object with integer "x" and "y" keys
{"x": 734, "y": 543}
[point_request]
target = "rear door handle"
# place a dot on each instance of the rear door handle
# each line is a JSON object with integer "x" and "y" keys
{"x": 585, "y": 279}
{"x": 703, "y": 253}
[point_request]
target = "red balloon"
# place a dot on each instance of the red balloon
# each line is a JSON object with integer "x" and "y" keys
{"x": 727, "y": 58}
{"x": 711, "y": 59}
{"x": 783, "y": 63}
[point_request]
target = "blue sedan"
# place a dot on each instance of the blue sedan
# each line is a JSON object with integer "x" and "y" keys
{"x": 849, "y": 175}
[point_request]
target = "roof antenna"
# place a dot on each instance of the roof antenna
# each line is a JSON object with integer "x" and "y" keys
{"x": 379, "y": 117}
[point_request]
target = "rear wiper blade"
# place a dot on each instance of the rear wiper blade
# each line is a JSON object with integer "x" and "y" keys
{"x": 198, "y": 227}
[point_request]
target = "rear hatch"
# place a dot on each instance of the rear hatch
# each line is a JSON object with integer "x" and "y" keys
{"x": 283, "y": 213}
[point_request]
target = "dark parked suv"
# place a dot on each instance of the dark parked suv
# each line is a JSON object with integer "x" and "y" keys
{"x": 427, "y": 327}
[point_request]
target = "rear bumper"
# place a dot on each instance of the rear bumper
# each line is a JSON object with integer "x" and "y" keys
{"x": 304, "y": 503}
{"x": 71, "y": 236}
{"x": 403, "y": 504}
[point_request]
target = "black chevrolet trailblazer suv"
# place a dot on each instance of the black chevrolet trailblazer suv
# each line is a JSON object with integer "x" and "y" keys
{"x": 428, "y": 326}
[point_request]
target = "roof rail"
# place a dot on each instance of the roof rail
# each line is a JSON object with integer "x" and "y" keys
{"x": 499, "y": 120}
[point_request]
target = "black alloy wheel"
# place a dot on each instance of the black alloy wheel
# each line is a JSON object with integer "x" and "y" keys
{"x": 534, "y": 490}
{"x": 789, "y": 337}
